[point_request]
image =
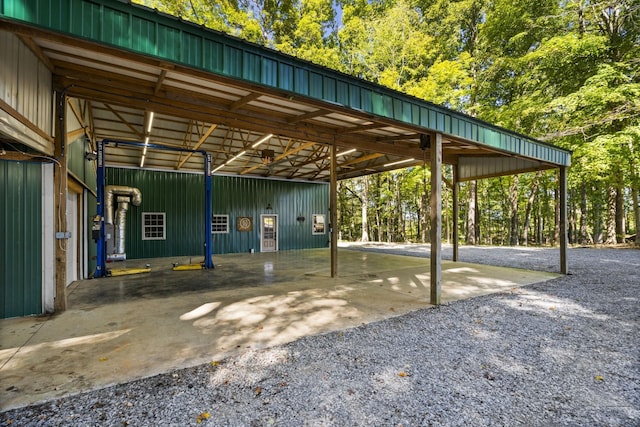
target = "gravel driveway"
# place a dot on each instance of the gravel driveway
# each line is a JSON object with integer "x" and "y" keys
{"x": 563, "y": 352}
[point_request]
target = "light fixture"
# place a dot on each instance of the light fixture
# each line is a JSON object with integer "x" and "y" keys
{"x": 150, "y": 123}
{"x": 269, "y": 208}
{"x": 399, "y": 162}
{"x": 262, "y": 140}
{"x": 346, "y": 152}
{"x": 91, "y": 155}
{"x": 242, "y": 153}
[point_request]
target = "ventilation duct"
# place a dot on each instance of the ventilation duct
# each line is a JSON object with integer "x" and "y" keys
{"x": 115, "y": 232}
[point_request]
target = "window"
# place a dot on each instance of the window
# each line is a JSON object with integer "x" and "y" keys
{"x": 220, "y": 224}
{"x": 318, "y": 223}
{"x": 153, "y": 226}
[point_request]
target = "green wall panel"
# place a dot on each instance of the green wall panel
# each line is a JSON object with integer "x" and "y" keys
{"x": 81, "y": 168}
{"x": 21, "y": 242}
{"x": 181, "y": 197}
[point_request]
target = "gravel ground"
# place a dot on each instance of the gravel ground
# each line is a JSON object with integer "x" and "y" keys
{"x": 563, "y": 352}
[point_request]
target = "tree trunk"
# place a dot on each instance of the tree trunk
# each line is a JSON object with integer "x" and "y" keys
{"x": 584, "y": 234}
{"x": 528, "y": 208}
{"x": 635, "y": 198}
{"x": 620, "y": 223}
{"x": 471, "y": 238}
{"x": 556, "y": 228}
{"x": 611, "y": 217}
{"x": 424, "y": 207}
{"x": 513, "y": 212}
{"x": 365, "y": 202}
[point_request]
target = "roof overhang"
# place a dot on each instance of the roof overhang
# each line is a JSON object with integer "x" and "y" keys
{"x": 185, "y": 86}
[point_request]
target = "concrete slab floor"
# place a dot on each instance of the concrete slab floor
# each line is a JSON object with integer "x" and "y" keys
{"x": 123, "y": 328}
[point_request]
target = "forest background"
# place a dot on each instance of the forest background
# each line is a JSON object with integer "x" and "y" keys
{"x": 563, "y": 71}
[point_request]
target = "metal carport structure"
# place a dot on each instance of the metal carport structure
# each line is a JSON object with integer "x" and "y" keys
{"x": 130, "y": 73}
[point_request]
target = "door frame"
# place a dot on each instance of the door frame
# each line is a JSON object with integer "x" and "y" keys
{"x": 277, "y": 238}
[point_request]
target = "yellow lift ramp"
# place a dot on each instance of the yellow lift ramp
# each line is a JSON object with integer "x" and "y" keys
{"x": 113, "y": 272}
{"x": 188, "y": 267}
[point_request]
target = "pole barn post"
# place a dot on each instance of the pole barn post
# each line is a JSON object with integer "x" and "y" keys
{"x": 564, "y": 269}
{"x": 456, "y": 209}
{"x": 333, "y": 212}
{"x": 436, "y": 218}
{"x": 208, "y": 210}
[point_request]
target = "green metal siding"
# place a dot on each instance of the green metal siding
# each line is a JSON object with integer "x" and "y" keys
{"x": 21, "y": 239}
{"x": 145, "y": 31}
{"x": 181, "y": 197}
{"x": 81, "y": 168}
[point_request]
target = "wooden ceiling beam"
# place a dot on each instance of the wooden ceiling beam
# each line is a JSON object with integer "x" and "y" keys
{"x": 37, "y": 51}
{"x": 123, "y": 120}
{"x": 244, "y": 100}
{"x": 309, "y": 115}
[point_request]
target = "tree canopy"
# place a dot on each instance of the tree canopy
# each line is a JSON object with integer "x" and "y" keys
{"x": 566, "y": 72}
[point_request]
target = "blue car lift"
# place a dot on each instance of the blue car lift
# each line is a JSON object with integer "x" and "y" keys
{"x": 101, "y": 268}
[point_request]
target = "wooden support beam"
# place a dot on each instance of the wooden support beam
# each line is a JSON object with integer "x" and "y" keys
{"x": 198, "y": 144}
{"x": 363, "y": 128}
{"x": 410, "y": 137}
{"x": 244, "y": 100}
{"x": 281, "y": 156}
{"x": 60, "y": 206}
{"x": 160, "y": 81}
{"x": 456, "y": 212}
{"x": 333, "y": 211}
{"x": 309, "y": 115}
{"x": 25, "y": 121}
{"x": 361, "y": 159}
{"x": 76, "y": 112}
{"x": 123, "y": 120}
{"x": 74, "y": 134}
{"x": 37, "y": 51}
{"x": 436, "y": 219}
{"x": 564, "y": 243}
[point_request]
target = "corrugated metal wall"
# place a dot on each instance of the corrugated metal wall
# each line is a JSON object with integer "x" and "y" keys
{"x": 81, "y": 168}
{"x": 20, "y": 238}
{"x": 181, "y": 197}
{"x": 25, "y": 84}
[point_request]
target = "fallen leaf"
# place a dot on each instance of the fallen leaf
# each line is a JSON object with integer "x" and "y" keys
{"x": 215, "y": 363}
{"x": 260, "y": 327}
{"x": 552, "y": 308}
{"x": 103, "y": 359}
{"x": 599, "y": 378}
{"x": 202, "y": 417}
{"x": 402, "y": 374}
{"x": 257, "y": 390}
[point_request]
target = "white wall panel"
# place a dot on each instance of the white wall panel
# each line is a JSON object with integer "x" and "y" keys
{"x": 25, "y": 85}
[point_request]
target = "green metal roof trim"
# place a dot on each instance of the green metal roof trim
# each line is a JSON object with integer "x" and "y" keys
{"x": 146, "y": 31}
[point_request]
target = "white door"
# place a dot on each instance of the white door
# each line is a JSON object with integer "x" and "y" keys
{"x": 71, "y": 245}
{"x": 269, "y": 233}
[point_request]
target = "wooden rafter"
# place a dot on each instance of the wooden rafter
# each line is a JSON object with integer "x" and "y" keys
{"x": 309, "y": 115}
{"x": 244, "y": 100}
{"x": 37, "y": 51}
{"x": 281, "y": 156}
{"x": 160, "y": 81}
{"x": 202, "y": 139}
{"x": 123, "y": 120}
